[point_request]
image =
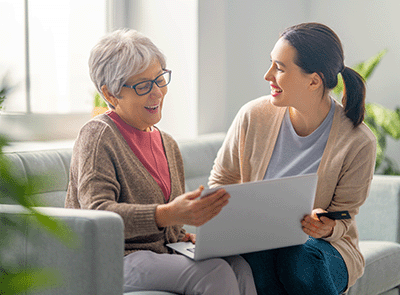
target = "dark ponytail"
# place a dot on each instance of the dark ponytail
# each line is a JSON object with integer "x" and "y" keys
{"x": 320, "y": 51}
{"x": 353, "y": 99}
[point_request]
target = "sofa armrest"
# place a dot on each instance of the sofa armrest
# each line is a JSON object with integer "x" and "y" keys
{"x": 94, "y": 267}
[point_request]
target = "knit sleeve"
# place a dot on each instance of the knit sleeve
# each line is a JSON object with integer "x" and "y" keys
{"x": 226, "y": 168}
{"x": 352, "y": 189}
{"x": 106, "y": 176}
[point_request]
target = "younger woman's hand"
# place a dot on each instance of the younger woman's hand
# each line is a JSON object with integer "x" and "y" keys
{"x": 318, "y": 227}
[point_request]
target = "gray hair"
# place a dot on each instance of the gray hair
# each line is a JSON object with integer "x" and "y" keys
{"x": 120, "y": 55}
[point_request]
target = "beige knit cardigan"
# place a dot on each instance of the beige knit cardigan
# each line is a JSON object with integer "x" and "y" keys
{"x": 106, "y": 175}
{"x": 344, "y": 174}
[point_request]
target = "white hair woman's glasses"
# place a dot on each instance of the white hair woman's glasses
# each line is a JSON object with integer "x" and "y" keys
{"x": 145, "y": 87}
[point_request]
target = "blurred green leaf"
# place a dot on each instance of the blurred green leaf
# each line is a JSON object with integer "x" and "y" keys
{"x": 20, "y": 192}
{"x": 388, "y": 119}
{"x": 2, "y": 98}
{"x": 16, "y": 190}
{"x": 28, "y": 280}
{"x": 3, "y": 143}
{"x": 365, "y": 69}
{"x": 99, "y": 101}
{"x": 58, "y": 229}
{"x": 338, "y": 90}
{"x": 5, "y": 87}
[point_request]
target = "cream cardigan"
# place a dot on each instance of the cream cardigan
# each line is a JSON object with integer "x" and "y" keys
{"x": 106, "y": 175}
{"x": 344, "y": 174}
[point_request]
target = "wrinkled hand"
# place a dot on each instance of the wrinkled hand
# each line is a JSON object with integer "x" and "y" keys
{"x": 189, "y": 238}
{"x": 188, "y": 209}
{"x": 318, "y": 228}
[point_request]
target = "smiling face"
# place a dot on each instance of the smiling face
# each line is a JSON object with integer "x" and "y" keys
{"x": 141, "y": 112}
{"x": 290, "y": 85}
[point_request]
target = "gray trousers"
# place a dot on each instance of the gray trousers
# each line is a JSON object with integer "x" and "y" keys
{"x": 146, "y": 270}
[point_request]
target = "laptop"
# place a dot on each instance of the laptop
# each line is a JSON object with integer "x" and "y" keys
{"x": 260, "y": 215}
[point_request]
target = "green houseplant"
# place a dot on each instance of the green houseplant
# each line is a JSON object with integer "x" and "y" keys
{"x": 383, "y": 122}
{"x": 15, "y": 279}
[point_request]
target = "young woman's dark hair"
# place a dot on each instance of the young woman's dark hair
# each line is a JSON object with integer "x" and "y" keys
{"x": 319, "y": 50}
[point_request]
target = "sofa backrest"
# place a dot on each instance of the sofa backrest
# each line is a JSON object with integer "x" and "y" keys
{"x": 198, "y": 158}
{"x": 52, "y": 166}
{"x": 378, "y": 218}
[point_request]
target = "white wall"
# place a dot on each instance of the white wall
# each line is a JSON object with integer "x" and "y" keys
{"x": 250, "y": 29}
{"x": 235, "y": 39}
{"x": 366, "y": 27}
{"x": 212, "y": 61}
{"x": 173, "y": 25}
{"x": 219, "y": 51}
{"x": 253, "y": 27}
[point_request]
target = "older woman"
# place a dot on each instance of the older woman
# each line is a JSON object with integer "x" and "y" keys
{"x": 122, "y": 163}
{"x": 300, "y": 129}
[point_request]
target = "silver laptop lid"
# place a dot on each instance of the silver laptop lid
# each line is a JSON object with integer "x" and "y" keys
{"x": 260, "y": 215}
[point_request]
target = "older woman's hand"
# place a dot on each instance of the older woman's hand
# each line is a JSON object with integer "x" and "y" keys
{"x": 189, "y": 209}
{"x": 318, "y": 227}
{"x": 189, "y": 238}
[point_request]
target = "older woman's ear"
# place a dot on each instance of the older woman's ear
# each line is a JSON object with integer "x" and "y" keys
{"x": 108, "y": 96}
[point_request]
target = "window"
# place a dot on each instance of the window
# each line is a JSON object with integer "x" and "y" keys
{"x": 46, "y": 53}
{"x": 57, "y": 93}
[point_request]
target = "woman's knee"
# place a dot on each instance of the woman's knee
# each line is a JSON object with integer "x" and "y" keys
{"x": 218, "y": 278}
{"x": 297, "y": 264}
{"x": 243, "y": 274}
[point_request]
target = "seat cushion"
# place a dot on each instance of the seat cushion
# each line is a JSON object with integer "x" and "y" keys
{"x": 382, "y": 268}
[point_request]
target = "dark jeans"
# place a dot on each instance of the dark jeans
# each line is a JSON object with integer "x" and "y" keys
{"x": 315, "y": 267}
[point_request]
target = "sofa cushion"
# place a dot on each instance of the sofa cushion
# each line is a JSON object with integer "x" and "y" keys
{"x": 382, "y": 268}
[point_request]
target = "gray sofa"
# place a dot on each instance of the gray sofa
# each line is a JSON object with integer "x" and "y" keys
{"x": 96, "y": 266}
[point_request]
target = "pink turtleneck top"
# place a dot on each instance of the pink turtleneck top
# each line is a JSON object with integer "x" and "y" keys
{"x": 149, "y": 149}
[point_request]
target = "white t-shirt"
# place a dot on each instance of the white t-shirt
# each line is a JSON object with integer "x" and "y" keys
{"x": 296, "y": 155}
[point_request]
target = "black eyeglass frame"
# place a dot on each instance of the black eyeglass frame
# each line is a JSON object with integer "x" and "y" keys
{"x": 152, "y": 83}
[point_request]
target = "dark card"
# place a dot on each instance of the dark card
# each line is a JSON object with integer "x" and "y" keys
{"x": 335, "y": 215}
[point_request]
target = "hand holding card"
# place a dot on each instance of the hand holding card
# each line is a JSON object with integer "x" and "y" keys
{"x": 335, "y": 215}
